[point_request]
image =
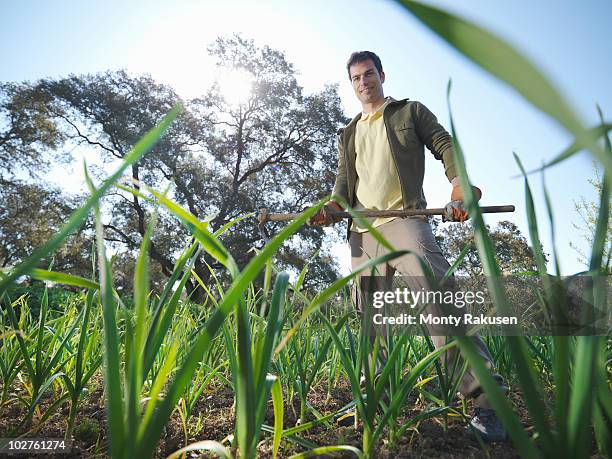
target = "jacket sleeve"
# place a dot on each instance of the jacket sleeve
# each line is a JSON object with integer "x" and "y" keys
{"x": 435, "y": 137}
{"x": 341, "y": 184}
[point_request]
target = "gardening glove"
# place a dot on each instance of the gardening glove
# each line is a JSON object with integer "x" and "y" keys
{"x": 455, "y": 211}
{"x": 323, "y": 217}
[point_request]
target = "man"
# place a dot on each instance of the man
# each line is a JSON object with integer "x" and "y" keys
{"x": 381, "y": 166}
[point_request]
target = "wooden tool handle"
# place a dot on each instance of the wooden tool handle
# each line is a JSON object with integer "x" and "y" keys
{"x": 265, "y": 216}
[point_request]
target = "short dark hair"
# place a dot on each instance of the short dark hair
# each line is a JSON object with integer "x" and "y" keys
{"x": 362, "y": 56}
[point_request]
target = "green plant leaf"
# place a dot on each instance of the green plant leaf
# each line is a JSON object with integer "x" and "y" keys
{"x": 62, "y": 278}
{"x": 231, "y": 298}
{"x": 504, "y": 62}
{"x": 277, "y": 400}
{"x": 112, "y": 357}
{"x": 596, "y": 132}
{"x": 517, "y": 346}
{"x": 323, "y": 451}
{"x": 206, "y": 445}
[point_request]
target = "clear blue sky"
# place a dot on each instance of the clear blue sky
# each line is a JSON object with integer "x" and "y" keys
{"x": 567, "y": 39}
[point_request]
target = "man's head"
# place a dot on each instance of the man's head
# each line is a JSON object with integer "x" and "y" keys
{"x": 367, "y": 76}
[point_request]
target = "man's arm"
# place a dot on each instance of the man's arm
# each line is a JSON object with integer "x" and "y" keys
{"x": 440, "y": 143}
{"x": 435, "y": 138}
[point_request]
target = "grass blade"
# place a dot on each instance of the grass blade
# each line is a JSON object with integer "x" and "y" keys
{"x": 264, "y": 355}
{"x": 277, "y": 400}
{"x": 134, "y": 366}
{"x": 504, "y": 62}
{"x": 335, "y": 287}
{"x": 588, "y": 347}
{"x": 62, "y": 278}
{"x": 595, "y": 132}
{"x": 112, "y": 358}
{"x": 518, "y": 348}
{"x": 203, "y": 341}
{"x": 322, "y": 451}
{"x": 206, "y": 445}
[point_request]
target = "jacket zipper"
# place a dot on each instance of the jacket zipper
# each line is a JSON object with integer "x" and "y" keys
{"x": 394, "y": 160}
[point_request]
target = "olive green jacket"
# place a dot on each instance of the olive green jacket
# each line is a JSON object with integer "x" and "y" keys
{"x": 410, "y": 126}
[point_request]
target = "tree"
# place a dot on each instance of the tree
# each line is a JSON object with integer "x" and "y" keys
{"x": 28, "y": 135}
{"x": 512, "y": 252}
{"x": 588, "y": 212}
{"x": 31, "y": 211}
{"x": 276, "y": 150}
{"x": 220, "y": 160}
{"x": 514, "y": 257}
{"x": 29, "y": 215}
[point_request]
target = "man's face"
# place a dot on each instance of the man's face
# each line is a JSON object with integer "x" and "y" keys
{"x": 367, "y": 82}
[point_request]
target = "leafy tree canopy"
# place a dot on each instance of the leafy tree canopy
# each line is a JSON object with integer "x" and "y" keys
{"x": 221, "y": 160}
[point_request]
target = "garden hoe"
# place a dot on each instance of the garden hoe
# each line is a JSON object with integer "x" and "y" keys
{"x": 266, "y": 216}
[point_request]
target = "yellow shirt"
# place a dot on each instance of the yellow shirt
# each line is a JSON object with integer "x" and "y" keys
{"x": 378, "y": 186}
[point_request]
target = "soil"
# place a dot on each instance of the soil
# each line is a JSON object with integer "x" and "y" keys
{"x": 213, "y": 419}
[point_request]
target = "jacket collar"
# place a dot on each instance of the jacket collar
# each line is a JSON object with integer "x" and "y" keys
{"x": 357, "y": 117}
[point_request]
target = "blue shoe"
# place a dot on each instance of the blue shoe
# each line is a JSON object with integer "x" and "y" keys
{"x": 347, "y": 418}
{"x": 487, "y": 425}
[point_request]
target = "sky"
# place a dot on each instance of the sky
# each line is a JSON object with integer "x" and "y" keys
{"x": 567, "y": 40}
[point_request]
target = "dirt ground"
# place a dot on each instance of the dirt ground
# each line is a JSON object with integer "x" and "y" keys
{"x": 213, "y": 419}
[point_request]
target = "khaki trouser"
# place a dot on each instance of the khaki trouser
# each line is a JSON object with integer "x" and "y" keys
{"x": 415, "y": 234}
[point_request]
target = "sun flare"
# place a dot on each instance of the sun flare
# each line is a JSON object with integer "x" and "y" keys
{"x": 235, "y": 85}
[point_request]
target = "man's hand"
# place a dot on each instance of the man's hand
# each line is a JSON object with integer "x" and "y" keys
{"x": 323, "y": 217}
{"x": 454, "y": 211}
